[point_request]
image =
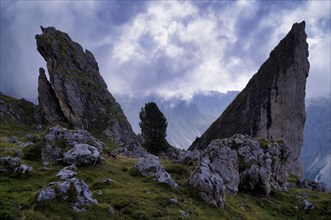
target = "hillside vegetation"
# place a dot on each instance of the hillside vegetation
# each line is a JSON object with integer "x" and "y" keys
{"x": 133, "y": 196}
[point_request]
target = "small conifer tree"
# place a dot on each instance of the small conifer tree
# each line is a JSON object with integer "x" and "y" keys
{"x": 153, "y": 126}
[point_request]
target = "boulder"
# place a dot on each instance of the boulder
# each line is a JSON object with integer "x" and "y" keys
{"x": 82, "y": 154}
{"x": 46, "y": 194}
{"x": 240, "y": 163}
{"x": 67, "y": 172}
{"x": 150, "y": 166}
{"x": 58, "y": 139}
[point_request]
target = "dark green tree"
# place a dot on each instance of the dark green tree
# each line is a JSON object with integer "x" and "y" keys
{"x": 153, "y": 126}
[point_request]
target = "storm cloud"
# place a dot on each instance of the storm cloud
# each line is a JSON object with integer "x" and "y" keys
{"x": 168, "y": 48}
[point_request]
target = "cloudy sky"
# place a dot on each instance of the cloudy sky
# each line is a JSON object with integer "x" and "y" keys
{"x": 169, "y": 48}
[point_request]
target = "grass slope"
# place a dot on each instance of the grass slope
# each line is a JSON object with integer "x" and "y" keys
{"x": 136, "y": 197}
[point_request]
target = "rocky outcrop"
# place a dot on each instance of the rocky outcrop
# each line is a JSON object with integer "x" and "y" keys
{"x": 150, "y": 165}
{"x": 79, "y": 89}
{"x": 71, "y": 146}
{"x": 239, "y": 163}
{"x": 72, "y": 189}
{"x": 13, "y": 165}
{"x": 273, "y": 103}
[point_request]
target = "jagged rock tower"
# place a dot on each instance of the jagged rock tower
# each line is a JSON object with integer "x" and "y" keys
{"x": 76, "y": 93}
{"x": 273, "y": 103}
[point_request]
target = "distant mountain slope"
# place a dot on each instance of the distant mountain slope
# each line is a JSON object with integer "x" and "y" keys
{"x": 186, "y": 120}
{"x": 316, "y": 149}
{"x": 213, "y": 103}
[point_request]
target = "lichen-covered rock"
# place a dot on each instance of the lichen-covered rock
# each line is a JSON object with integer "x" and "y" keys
{"x": 239, "y": 163}
{"x": 133, "y": 149}
{"x": 72, "y": 189}
{"x": 67, "y": 172}
{"x": 82, "y": 154}
{"x": 273, "y": 103}
{"x": 58, "y": 140}
{"x": 46, "y": 194}
{"x": 150, "y": 165}
{"x": 77, "y": 89}
{"x": 217, "y": 172}
{"x": 13, "y": 165}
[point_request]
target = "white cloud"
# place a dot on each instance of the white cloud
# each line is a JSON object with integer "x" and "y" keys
{"x": 173, "y": 48}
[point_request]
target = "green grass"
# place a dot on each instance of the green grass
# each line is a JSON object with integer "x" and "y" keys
{"x": 134, "y": 196}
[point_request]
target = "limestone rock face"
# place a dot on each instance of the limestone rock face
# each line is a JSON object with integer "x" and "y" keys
{"x": 79, "y": 88}
{"x": 237, "y": 164}
{"x": 273, "y": 103}
{"x": 48, "y": 103}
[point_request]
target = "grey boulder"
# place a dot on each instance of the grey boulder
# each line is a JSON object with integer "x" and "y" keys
{"x": 150, "y": 166}
{"x": 82, "y": 154}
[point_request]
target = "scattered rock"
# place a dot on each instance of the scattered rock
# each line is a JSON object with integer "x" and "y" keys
{"x": 150, "y": 166}
{"x": 45, "y": 165}
{"x": 13, "y": 165}
{"x": 184, "y": 214}
{"x": 174, "y": 200}
{"x": 23, "y": 169}
{"x": 29, "y": 136}
{"x": 23, "y": 145}
{"x": 12, "y": 139}
{"x": 310, "y": 185}
{"x": 46, "y": 194}
{"x": 84, "y": 195}
{"x": 67, "y": 172}
{"x": 111, "y": 210}
{"x": 107, "y": 181}
{"x": 308, "y": 205}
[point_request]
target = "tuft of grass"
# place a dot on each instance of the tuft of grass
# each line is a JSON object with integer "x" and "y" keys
{"x": 32, "y": 152}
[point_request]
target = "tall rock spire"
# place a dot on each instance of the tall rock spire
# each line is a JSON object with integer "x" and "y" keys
{"x": 81, "y": 92}
{"x": 272, "y": 105}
